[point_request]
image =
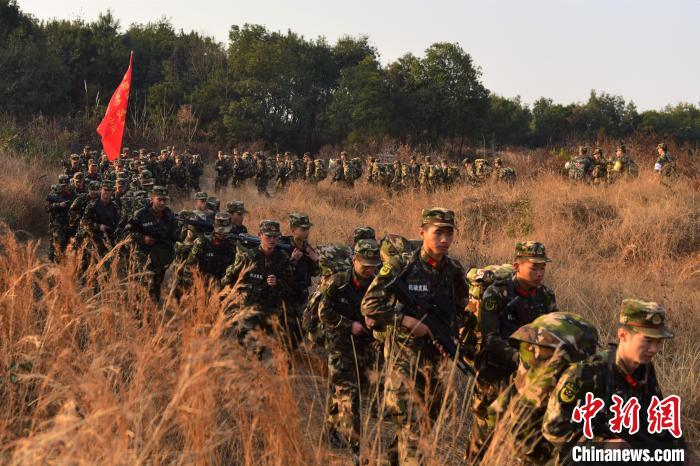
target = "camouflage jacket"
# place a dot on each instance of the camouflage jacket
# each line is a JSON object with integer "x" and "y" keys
{"x": 212, "y": 256}
{"x": 427, "y": 281}
{"x": 250, "y": 271}
{"x": 339, "y": 305}
{"x": 504, "y": 308}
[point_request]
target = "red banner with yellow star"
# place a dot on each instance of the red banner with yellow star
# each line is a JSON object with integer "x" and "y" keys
{"x": 112, "y": 126}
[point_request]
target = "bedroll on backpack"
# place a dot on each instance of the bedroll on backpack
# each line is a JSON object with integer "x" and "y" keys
{"x": 310, "y": 320}
{"x": 481, "y": 278}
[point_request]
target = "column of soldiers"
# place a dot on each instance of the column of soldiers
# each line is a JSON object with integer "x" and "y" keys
{"x": 410, "y": 299}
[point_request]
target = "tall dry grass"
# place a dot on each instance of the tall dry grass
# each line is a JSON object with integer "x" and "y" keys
{"x": 106, "y": 377}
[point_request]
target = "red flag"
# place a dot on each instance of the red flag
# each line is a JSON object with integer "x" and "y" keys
{"x": 112, "y": 127}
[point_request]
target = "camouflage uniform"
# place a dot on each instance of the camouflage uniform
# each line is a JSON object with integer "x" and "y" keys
{"x": 223, "y": 170}
{"x": 179, "y": 177}
{"x": 256, "y": 302}
{"x": 665, "y": 165}
{"x": 622, "y": 165}
{"x": 77, "y": 210}
{"x": 604, "y": 375}
{"x": 58, "y": 203}
{"x": 599, "y": 167}
{"x": 196, "y": 170}
{"x": 214, "y": 254}
{"x": 547, "y": 346}
{"x": 579, "y": 168}
{"x": 504, "y": 174}
{"x": 413, "y": 381}
{"x": 262, "y": 175}
{"x": 98, "y": 213}
{"x": 504, "y": 307}
{"x": 348, "y": 354}
{"x": 155, "y": 258}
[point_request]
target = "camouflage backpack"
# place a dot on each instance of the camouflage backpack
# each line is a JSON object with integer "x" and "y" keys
{"x": 579, "y": 168}
{"x": 481, "y": 278}
{"x": 320, "y": 172}
{"x": 310, "y": 320}
{"x": 396, "y": 246}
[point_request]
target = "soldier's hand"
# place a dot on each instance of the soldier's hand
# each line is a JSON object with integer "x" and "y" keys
{"x": 358, "y": 329}
{"x": 297, "y": 254}
{"x": 311, "y": 253}
{"x": 272, "y": 280}
{"x": 149, "y": 240}
{"x": 64, "y": 204}
{"x": 104, "y": 228}
{"x": 416, "y": 327}
{"x": 370, "y": 322}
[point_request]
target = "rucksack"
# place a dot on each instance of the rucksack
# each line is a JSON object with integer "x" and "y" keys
{"x": 481, "y": 278}
{"x": 310, "y": 320}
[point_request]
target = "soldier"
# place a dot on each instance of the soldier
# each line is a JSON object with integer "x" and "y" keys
{"x": 75, "y": 165}
{"x": 320, "y": 171}
{"x": 93, "y": 172}
{"x": 282, "y": 174}
{"x": 154, "y": 231}
{"x": 347, "y": 343}
{"x": 260, "y": 279}
{"x": 505, "y": 306}
{"x": 77, "y": 210}
{"x": 200, "y": 207}
{"x": 309, "y": 168}
{"x": 237, "y": 211}
{"x": 437, "y": 283}
{"x": 58, "y": 203}
{"x": 178, "y": 177}
{"x": 305, "y": 266}
{"x": 196, "y": 169}
{"x": 623, "y": 165}
{"x": 424, "y": 174}
{"x": 547, "y": 347}
{"x": 223, "y": 169}
{"x": 599, "y": 167}
{"x": 101, "y": 219}
{"x": 482, "y": 170}
{"x": 665, "y": 165}
{"x": 625, "y": 370}
{"x": 237, "y": 169}
{"x": 410, "y": 173}
{"x": 262, "y": 175}
{"x": 503, "y": 173}
{"x": 212, "y": 255}
{"x": 579, "y": 168}
{"x": 397, "y": 183}
{"x": 78, "y": 182}
{"x": 340, "y": 170}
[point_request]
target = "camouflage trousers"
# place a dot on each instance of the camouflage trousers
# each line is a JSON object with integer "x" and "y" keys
{"x": 413, "y": 395}
{"x": 60, "y": 236}
{"x": 484, "y": 394}
{"x": 155, "y": 263}
{"x": 253, "y": 325}
{"x": 349, "y": 360}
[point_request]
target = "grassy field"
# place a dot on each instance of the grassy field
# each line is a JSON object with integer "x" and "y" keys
{"x": 108, "y": 378}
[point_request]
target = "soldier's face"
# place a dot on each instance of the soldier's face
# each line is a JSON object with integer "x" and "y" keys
{"x": 436, "y": 240}
{"x": 300, "y": 233}
{"x": 200, "y": 204}
{"x": 105, "y": 195}
{"x": 237, "y": 218}
{"x": 364, "y": 272}
{"x": 268, "y": 243}
{"x": 160, "y": 203}
{"x": 618, "y": 153}
{"x": 532, "y": 274}
{"x": 636, "y": 347}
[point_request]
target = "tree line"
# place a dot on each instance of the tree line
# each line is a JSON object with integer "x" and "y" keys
{"x": 285, "y": 89}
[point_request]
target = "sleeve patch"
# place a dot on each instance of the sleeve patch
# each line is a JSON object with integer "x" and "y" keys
{"x": 568, "y": 392}
{"x": 490, "y": 303}
{"x": 385, "y": 270}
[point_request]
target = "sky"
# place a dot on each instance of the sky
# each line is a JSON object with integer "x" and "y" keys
{"x": 647, "y": 51}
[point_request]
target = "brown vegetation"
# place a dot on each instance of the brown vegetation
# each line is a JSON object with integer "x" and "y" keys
{"x": 107, "y": 378}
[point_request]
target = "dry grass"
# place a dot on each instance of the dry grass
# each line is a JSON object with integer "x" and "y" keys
{"x": 110, "y": 379}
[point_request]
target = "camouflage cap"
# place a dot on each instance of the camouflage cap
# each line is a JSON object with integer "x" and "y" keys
{"x": 582, "y": 150}
{"x": 160, "y": 191}
{"x": 107, "y": 185}
{"x": 63, "y": 180}
{"x": 439, "y": 217}
{"x": 92, "y": 162}
{"x": 367, "y": 253}
{"x": 662, "y": 146}
{"x": 532, "y": 251}
{"x": 145, "y": 174}
{"x": 213, "y": 203}
{"x": 140, "y": 194}
{"x": 270, "y": 228}
{"x": 236, "y": 207}
{"x": 201, "y": 196}
{"x": 646, "y": 317}
{"x": 121, "y": 182}
{"x": 94, "y": 186}
{"x": 299, "y": 220}
{"x": 557, "y": 329}
{"x": 222, "y": 222}
{"x": 74, "y": 157}
{"x": 318, "y": 162}
{"x": 598, "y": 151}
{"x": 498, "y": 161}
{"x": 78, "y": 176}
{"x": 86, "y": 147}
{"x": 363, "y": 233}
